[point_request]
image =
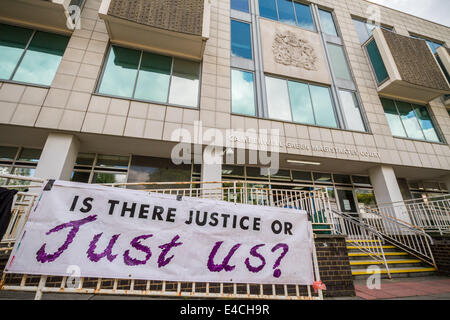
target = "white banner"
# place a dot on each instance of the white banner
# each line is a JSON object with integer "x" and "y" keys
{"x": 116, "y": 233}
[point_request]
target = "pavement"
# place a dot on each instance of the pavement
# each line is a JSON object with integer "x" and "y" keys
{"x": 420, "y": 288}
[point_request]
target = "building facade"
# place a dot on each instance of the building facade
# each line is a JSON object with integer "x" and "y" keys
{"x": 356, "y": 94}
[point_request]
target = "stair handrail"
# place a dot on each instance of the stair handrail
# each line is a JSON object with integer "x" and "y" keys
{"x": 405, "y": 224}
{"x": 374, "y": 254}
{"x": 426, "y": 255}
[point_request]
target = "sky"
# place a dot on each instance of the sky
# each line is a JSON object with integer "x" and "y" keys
{"x": 434, "y": 10}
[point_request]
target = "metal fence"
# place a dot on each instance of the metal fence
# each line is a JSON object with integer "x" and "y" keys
{"x": 431, "y": 213}
{"x": 314, "y": 202}
{"x": 404, "y": 235}
{"x": 362, "y": 237}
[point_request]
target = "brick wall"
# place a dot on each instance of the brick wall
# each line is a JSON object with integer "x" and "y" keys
{"x": 334, "y": 266}
{"x": 441, "y": 253}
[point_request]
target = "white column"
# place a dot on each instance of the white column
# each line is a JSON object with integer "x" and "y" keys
{"x": 387, "y": 191}
{"x": 212, "y": 169}
{"x": 58, "y": 157}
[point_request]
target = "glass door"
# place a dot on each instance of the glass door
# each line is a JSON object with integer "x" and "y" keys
{"x": 346, "y": 201}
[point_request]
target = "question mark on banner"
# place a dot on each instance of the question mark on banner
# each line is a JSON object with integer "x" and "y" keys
{"x": 277, "y": 272}
{"x": 74, "y": 280}
{"x": 73, "y": 20}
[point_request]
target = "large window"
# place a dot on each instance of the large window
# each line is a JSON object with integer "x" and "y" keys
{"x": 243, "y": 92}
{"x": 377, "y": 62}
{"x": 300, "y": 102}
{"x": 149, "y": 169}
{"x": 287, "y": 11}
{"x": 365, "y": 29}
{"x": 18, "y": 161}
{"x": 30, "y": 56}
{"x": 97, "y": 168}
{"x": 241, "y": 40}
{"x": 410, "y": 120}
{"x": 151, "y": 77}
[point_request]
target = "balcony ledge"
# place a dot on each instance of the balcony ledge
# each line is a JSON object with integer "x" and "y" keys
{"x": 127, "y": 28}
{"x": 414, "y": 75}
{"x": 48, "y": 15}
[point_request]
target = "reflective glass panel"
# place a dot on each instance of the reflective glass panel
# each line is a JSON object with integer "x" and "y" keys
{"x": 242, "y": 92}
{"x": 327, "y": 22}
{"x": 393, "y": 118}
{"x": 30, "y": 155}
{"x": 185, "y": 83}
{"x": 286, "y": 12}
{"x": 120, "y": 72}
{"x": 339, "y": 62}
{"x": 426, "y": 123}
{"x": 323, "y": 106}
{"x": 278, "y": 99}
{"x": 377, "y": 62}
{"x": 80, "y": 177}
{"x": 8, "y": 153}
{"x": 302, "y": 110}
{"x": 154, "y": 78}
{"x": 409, "y": 120}
{"x": 304, "y": 16}
{"x": 42, "y": 58}
{"x": 268, "y": 9}
{"x": 241, "y": 5}
{"x": 86, "y": 159}
{"x": 106, "y": 177}
{"x": 112, "y": 161}
{"x": 351, "y": 110}
{"x": 361, "y": 29}
{"x": 241, "y": 42}
{"x": 12, "y": 44}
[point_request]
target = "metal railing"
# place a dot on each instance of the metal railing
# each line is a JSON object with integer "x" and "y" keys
{"x": 431, "y": 214}
{"x": 362, "y": 237}
{"x": 401, "y": 234}
{"x": 235, "y": 191}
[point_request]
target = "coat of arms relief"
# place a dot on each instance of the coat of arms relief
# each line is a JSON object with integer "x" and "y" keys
{"x": 291, "y": 50}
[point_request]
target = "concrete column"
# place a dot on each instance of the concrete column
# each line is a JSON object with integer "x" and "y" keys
{"x": 387, "y": 192}
{"x": 212, "y": 170}
{"x": 58, "y": 157}
{"x": 447, "y": 182}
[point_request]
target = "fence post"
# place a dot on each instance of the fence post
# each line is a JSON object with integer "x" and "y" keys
{"x": 41, "y": 285}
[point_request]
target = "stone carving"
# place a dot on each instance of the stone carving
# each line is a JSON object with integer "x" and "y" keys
{"x": 290, "y": 50}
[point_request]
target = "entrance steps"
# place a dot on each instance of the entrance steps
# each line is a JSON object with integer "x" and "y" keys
{"x": 401, "y": 264}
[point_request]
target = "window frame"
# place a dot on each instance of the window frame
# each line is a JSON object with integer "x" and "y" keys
{"x": 364, "y": 20}
{"x": 371, "y": 64}
{"x": 16, "y": 163}
{"x": 432, "y": 119}
{"x": 103, "y": 69}
{"x": 251, "y": 41}
{"x": 248, "y": 5}
{"x": 93, "y": 168}
{"x": 338, "y": 126}
{"x": 315, "y": 28}
{"x": 255, "y": 98}
{"x": 333, "y": 17}
{"x": 25, "y": 49}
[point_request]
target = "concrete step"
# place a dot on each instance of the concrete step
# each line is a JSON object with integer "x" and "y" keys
{"x": 395, "y": 272}
{"x": 355, "y": 256}
{"x": 403, "y": 262}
